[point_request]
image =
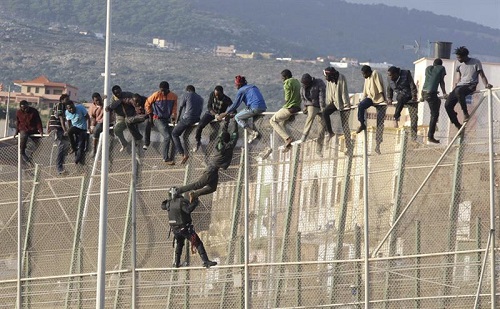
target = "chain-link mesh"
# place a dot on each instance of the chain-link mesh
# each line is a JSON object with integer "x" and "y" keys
{"x": 428, "y": 221}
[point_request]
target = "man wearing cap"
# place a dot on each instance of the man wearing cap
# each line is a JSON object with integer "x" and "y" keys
{"x": 337, "y": 99}
{"x": 162, "y": 108}
{"x": 291, "y": 89}
{"x": 373, "y": 95}
{"x": 312, "y": 93}
{"x": 28, "y": 123}
{"x": 255, "y": 105}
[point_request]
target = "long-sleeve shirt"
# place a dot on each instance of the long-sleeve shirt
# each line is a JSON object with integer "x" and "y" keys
{"x": 291, "y": 89}
{"x": 162, "y": 106}
{"x": 216, "y": 106}
{"x": 374, "y": 88}
{"x": 251, "y": 96}
{"x": 29, "y": 120}
{"x": 123, "y": 106}
{"x": 338, "y": 94}
{"x": 223, "y": 157}
{"x": 314, "y": 95}
{"x": 191, "y": 106}
{"x": 403, "y": 86}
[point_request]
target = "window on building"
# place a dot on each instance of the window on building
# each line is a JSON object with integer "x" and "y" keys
{"x": 47, "y": 91}
{"x": 28, "y": 89}
{"x": 56, "y": 91}
{"x": 37, "y": 89}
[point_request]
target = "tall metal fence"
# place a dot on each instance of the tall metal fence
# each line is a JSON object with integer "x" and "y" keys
{"x": 412, "y": 227}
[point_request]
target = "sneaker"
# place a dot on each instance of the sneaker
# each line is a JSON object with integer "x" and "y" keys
{"x": 377, "y": 149}
{"x": 361, "y": 128}
{"x": 466, "y": 117}
{"x": 288, "y": 142}
{"x": 169, "y": 162}
{"x": 184, "y": 159}
{"x": 458, "y": 125}
{"x": 253, "y": 135}
{"x": 145, "y": 147}
{"x": 432, "y": 140}
{"x": 122, "y": 148}
{"x": 264, "y": 154}
{"x": 208, "y": 264}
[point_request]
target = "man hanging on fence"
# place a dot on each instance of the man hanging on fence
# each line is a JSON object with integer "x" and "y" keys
{"x": 78, "y": 121}
{"x": 208, "y": 181}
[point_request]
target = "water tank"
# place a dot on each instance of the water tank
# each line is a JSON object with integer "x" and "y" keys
{"x": 441, "y": 50}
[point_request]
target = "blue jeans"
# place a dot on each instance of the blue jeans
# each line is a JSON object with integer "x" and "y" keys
{"x": 242, "y": 117}
{"x": 181, "y": 126}
{"x": 164, "y": 128}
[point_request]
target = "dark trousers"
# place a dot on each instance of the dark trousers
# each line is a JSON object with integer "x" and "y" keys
{"x": 61, "y": 148}
{"x": 458, "y": 96}
{"x": 344, "y": 118}
{"x": 204, "y": 121}
{"x": 182, "y": 126}
{"x": 147, "y": 132}
{"x": 23, "y": 140}
{"x": 381, "y": 111}
{"x": 120, "y": 127}
{"x": 78, "y": 140}
{"x": 206, "y": 184}
{"x": 405, "y": 101}
{"x": 180, "y": 236}
{"x": 434, "y": 106}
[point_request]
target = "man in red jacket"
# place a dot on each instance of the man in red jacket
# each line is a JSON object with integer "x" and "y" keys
{"x": 28, "y": 123}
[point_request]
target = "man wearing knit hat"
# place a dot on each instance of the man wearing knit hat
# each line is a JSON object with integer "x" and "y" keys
{"x": 254, "y": 102}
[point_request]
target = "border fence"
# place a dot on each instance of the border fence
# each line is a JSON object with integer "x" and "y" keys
{"x": 316, "y": 227}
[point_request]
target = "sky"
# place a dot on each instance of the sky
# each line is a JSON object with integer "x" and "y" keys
{"x": 484, "y": 12}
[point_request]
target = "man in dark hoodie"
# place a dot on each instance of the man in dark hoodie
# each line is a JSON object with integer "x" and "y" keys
{"x": 208, "y": 181}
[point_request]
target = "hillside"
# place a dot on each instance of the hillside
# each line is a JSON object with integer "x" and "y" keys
{"x": 297, "y": 28}
{"x": 43, "y": 38}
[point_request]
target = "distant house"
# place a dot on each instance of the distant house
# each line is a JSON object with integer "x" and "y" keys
{"x": 225, "y": 51}
{"x": 39, "y": 91}
{"x": 162, "y": 43}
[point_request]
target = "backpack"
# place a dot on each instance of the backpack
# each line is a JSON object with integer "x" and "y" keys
{"x": 176, "y": 216}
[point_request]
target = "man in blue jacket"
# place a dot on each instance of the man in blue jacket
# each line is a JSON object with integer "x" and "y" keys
{"x": 255, "y": 105}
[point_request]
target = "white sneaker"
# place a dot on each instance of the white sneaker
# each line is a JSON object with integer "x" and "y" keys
{"x": 122, "y": 148}
{"x": 145, "y": 147}
{"x": 253, "y": 136}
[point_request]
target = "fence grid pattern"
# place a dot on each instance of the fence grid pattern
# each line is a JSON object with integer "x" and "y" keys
{"x": 428, "y": 222}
